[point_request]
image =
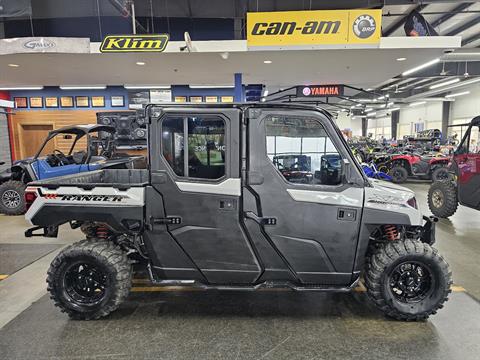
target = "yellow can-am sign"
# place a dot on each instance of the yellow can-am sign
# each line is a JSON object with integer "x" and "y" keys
{"x": 313, "y": 28}
{"x": 134, "y": 43}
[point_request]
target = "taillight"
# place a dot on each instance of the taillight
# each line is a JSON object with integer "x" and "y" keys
{"x": 30, "y": 196}
{"x": 413, "y": 202}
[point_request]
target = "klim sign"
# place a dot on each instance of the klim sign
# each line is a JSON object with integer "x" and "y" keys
{"x": 134, "y": 43}
{"x": 319, "y": 90}
{"x": 313, "y": 29}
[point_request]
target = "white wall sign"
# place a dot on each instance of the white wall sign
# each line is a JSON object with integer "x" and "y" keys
{"x": 44, "y": 45}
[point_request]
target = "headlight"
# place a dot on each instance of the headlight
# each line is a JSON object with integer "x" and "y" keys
{"x": 413, "y": 202}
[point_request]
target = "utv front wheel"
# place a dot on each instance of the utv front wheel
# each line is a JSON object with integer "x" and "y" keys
{"x": 399, "y": 174}
{"x": 408, "y": 280}
{"x": 442, "y": 199}
{"x": 440, "y": 174}
{"x": 89, "y": 279}
{"x": 12, "y": 198}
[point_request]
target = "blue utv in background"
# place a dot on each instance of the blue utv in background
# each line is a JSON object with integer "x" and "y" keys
{"x": 98, "y": 154}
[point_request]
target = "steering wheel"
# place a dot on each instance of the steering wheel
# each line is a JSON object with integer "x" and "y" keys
{"x": 61, "y": 158}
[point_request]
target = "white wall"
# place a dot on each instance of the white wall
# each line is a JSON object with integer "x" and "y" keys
{"x": 380, "y": 128}
{"x": 345, "y": 121}
{"x": 429, "y": 114}
{"x": 466, "y": 107}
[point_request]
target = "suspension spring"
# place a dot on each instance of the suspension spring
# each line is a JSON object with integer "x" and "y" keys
{"x": 391, "y": 232}
{"x": 101, "y": 232}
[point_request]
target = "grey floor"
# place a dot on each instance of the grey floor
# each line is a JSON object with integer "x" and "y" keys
{"x": 236, "y": 325}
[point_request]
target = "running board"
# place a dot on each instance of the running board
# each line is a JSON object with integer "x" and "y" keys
{"x": 260, "y": 286}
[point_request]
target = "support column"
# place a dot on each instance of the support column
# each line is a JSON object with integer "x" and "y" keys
{"x": 445, "y": 120}
{"x": 364, "y": 126}
{"x": 238, "y": 94}
{"x": 395, "y": 119}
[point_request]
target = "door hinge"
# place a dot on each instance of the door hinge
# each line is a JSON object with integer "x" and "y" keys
{"x": 261, "y": 220}
{"x": 169, "y": 220}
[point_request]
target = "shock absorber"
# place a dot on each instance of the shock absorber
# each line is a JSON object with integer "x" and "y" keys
{"x": 101, "y": 232}
{"x": 390, "y": 231}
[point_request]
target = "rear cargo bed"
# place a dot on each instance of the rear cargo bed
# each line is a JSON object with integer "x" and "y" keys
{"x": 117, "y": 178}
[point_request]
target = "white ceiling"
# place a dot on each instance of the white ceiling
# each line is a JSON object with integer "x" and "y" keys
{"x": 357, "y": 67}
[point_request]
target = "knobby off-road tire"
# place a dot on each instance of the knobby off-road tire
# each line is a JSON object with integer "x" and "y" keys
{"x": 12, "y": 198}
{"x": 383, "y": 286}
{"x": 89, "y": 279}
{"x": 399, "y": 174}
{"x": 440, "y": 174}
{"x": 442, "y": 199}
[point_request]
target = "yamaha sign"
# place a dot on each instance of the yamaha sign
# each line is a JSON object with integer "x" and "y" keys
{"x": 320, "y": 90}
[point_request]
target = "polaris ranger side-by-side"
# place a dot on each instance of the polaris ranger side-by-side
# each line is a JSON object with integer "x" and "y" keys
{"x": 214, "y": 211}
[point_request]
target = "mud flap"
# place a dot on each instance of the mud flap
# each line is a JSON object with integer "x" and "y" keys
{"x": 428, "y": 230}
{"x": 49, "y": 231}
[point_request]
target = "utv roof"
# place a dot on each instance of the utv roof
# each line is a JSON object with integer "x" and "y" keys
{"x": 82, "y": 129}
{"x": 259, "y": 105}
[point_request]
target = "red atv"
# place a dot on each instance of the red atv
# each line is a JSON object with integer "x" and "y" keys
{"x": 427, "y": 167}
{"x": 464, "y": 186}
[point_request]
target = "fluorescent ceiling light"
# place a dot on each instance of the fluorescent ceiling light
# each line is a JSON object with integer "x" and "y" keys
{"x": 368, "y": 110}
{"x": 444, "y": 83}
{"x": 79, "y": 87}
{"x": 401, "y": 59}
{"x": 417, "y": 103}
{"x": 13, "y": 65}
{"x": 210, "y": 86}
{"x": 140, "y": 63}
{"x": 136, "y": 87}
{"x": 21, "y": 88}
{"x": 381, "y": 98}
{"x": 394, "y": 109}
{"x": 267, "y": 61}
{"x": 265, "y": 92}
{"x": 421, "y": 67}
{"x": 458, "y": 94}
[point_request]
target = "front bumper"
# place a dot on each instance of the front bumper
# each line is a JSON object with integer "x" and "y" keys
{"x": 427, "y": 233}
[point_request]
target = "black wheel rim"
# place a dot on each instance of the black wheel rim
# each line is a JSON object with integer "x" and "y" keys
{"x": 11, "y": 199}
{"x": 85, "y": 283}
{"x": 411, "y": 282}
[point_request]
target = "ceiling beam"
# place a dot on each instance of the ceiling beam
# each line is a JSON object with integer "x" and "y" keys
{"x": 464, "y": 26}
{"x": 400, "y": 22}
{"x": 471, "y": 39}
{"x": 450, "y": 14}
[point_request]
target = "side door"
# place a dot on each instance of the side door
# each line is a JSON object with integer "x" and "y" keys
{"x": 194, "y": 201}
{"x": 310, "y": 214}
{"x": 467, "y": 158}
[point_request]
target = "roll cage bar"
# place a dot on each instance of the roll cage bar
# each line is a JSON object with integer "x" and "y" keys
{"x": 79, "y": 131}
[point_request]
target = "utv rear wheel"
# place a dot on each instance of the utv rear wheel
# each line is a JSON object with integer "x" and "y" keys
{"x": 442, "y": 199}
{"x": 89, "y": 279}
{"x": 399, "y": 174}
{"x": 12, "y": 198}
{"x": 440, "y": 174}
{"x": 408, "y": 280}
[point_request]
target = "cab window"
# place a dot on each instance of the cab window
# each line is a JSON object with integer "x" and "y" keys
{"x": 194, "y": 146}
{"x": 302, "y": 151}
